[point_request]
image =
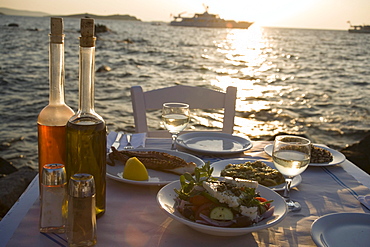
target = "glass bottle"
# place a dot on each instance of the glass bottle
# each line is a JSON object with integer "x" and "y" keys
{"x": 86, "y": 130}
{"x": 52, "y": 120}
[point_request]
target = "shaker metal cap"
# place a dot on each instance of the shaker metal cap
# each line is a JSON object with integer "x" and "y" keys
{"x": 53, "y": 174}
{"x": 81, "y": 185}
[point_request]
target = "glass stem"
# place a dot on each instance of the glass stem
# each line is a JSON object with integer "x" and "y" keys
{"x": 288, "y": 183}
{"x": 174, "y": 137}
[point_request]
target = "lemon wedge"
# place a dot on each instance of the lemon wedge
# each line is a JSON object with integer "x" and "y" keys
{"x": 135, "y": 170}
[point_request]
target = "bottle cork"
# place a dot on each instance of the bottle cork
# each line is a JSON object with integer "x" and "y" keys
{"x": 87, "y": 38}
{"x": 56, "y": 33}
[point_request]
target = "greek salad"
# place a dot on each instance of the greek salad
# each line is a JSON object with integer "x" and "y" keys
{"x": 221, "y": 202}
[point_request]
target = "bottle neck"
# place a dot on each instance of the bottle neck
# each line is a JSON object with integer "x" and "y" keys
{"x": 56, "y": 73}
{"x": 86, "y": 80}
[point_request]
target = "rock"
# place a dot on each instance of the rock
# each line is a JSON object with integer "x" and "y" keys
{"x": 99, "y": 28}
{"x": 359, "y": 153}
{"x": 128, "y": 41}
{"x": 12, "y": 186}
{"x": 103, "y": 68}
{"x": 13, "y": 25}
{"x": 32, "y": 29}
{"x": 6, "y": 167}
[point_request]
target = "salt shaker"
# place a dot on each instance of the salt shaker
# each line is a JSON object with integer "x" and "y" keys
{"x": 81, "y": 219}
{"x": 53, "y": 199}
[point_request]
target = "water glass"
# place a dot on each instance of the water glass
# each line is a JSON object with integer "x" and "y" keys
{"x": 291, "y": 156}
{"x": 175, "y": 117}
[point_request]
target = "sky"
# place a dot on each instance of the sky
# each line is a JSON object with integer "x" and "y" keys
{"x": 317, "y": 14}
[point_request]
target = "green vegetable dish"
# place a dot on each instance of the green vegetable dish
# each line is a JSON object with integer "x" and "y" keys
{"x": 256, "y": 171}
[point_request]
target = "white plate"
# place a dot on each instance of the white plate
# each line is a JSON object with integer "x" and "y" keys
{"x": 155, "y": 177}
{"x": 220, "y": 165}
{"x": 213, "y": 142}
{"x": 342, "y": 229}
{"x": 166, "y": 196}
{"x": 338, "y": 157}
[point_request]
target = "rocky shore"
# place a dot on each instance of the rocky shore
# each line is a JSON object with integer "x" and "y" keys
{"x": 14, "y": 181}
{"x": 359, "y": 154}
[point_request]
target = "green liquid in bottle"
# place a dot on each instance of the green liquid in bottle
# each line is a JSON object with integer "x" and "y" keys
{"x": 86, "y": 153}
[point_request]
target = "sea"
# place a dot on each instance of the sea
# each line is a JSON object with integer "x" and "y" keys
{"x": 298, "y": 81}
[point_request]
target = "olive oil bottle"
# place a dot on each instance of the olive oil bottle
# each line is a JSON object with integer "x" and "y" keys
{"x": 86, "y": 130}
{"x": 52, "y": 120}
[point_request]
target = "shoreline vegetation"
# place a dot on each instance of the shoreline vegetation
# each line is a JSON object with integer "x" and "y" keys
{"x": 14, "y": 181}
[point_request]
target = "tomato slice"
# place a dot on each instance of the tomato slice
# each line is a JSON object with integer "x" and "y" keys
{"x": 261, "y": 199}
{"x": 204, "y": 209}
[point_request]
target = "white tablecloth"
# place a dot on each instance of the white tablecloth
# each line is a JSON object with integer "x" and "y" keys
{"x": 133, "y": 217}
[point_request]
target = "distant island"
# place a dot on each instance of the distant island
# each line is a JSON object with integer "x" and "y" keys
{"x": 106, "y": 17}
{"x": 6, "y": 11}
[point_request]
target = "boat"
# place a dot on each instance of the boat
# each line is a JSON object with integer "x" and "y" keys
{"x": 208, "y": 20}
{"x": 359, "y": 28}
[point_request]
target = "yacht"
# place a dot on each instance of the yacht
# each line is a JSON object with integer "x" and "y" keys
{"x": 359, "y": 28}
{"x": 208, "y": 20}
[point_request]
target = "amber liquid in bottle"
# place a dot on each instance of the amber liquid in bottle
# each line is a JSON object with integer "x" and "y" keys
{"x": 52, "y": 120}
{"x": 86, "y": 153}
{"x": 51, "y": 144}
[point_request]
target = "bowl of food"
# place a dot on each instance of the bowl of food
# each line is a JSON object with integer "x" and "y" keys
{"x": 221, "y": 206}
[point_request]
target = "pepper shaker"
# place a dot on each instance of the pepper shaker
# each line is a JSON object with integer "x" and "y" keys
{"x": 53, "y": 199}
{"x": 81, "y": 220}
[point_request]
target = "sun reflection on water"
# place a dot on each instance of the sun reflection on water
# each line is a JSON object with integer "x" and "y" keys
{"x": 245, "y": 55}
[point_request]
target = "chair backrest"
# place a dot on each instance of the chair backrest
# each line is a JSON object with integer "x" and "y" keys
{"x": 196, "y": 97}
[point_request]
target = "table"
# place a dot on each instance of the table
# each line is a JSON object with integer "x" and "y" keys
{"x": 133, "y": 217}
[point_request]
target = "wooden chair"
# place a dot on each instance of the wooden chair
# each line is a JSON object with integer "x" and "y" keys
{"x": 196, "y": 97}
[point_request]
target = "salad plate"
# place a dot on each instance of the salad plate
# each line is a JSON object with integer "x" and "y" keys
{"x": 341, "y": 229}
{"x": 338, "y": 157}
{"x": 166, "y": 200}
{"x": 209, "y": 142}
{"x": 220, "y": 165}
{"x": 155, "y": 177}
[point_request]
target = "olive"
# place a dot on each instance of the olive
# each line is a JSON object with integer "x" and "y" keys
{"x": 188, "y": 213}
{"x": 243, "y": 221}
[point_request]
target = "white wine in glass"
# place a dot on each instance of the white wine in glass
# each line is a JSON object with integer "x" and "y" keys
{"x": 175, "y": 117}
{"x": 291, "y": 156}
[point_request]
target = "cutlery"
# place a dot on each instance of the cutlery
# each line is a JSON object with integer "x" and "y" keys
{"x": 129, "y": 145}
{"x": 117, "y": 142}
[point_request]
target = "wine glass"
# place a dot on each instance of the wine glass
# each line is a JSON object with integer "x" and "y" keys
{"x": 175, "y": 117}
{"x": 291, "y": 156}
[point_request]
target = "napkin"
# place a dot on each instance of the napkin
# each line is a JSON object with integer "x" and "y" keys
{"x": 137, "y": 140}
{"x": 365, "y": 200}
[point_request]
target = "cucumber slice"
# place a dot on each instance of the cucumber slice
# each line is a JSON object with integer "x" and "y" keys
{"x": 221, "y": 213}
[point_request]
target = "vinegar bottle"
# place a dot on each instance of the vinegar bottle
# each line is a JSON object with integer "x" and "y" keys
{"x": 86, "y": 130}
{"x": 52, "y": 120}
